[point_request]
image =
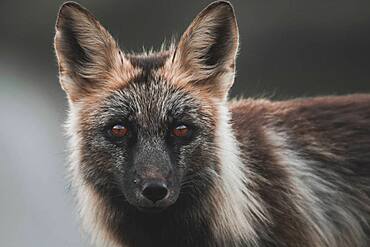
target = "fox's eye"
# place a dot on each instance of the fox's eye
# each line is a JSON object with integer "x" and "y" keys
{"x": 119, "y": 130}
{"x": 180, "y": 130}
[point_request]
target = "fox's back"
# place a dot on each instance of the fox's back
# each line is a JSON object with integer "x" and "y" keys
{"x": 334, "y": 128}
{"x": 318, "y": 148}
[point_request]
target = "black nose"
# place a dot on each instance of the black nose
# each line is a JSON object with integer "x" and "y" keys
{"x": 155, "y": 191}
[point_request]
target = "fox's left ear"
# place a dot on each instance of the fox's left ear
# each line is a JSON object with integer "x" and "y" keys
{"x": 88, "y": 56}
{"x": 207, "y": 50}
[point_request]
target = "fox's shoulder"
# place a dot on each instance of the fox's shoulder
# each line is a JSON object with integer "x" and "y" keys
{"x": 264, "y": 109}
{"x": 340, "y": 120}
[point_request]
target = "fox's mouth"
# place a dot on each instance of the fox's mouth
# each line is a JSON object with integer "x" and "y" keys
{"x": 147, "y": 206}
{"x": 151, "y": 209}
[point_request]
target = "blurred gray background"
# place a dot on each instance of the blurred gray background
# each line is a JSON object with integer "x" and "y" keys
{"x": 288, "y": 49}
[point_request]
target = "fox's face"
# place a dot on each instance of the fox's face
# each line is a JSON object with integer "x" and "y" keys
{"x": 142, "y": 139}
{"x": 145, "y": 126}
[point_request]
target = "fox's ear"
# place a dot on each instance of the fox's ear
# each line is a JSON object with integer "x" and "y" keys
{"x": 208, "y": 48}
{"x": 87, "y": 54}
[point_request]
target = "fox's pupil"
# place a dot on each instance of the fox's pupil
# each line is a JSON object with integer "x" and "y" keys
{"x": 119, "y": 130}
{"x": 180, "y": 131}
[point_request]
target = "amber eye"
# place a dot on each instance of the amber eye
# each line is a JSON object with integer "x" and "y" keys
{"x": 119, "y": 130}
{"x": 180, "y": 131}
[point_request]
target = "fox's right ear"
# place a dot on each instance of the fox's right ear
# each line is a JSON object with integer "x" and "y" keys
{"x": 87, "y": 54}
{"x": 206, "y": 52}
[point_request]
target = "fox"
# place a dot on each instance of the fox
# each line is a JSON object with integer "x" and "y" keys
{"x": 159, "y": 156}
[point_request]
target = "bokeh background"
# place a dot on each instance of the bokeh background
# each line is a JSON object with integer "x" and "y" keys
{"x": 289, "y": 48}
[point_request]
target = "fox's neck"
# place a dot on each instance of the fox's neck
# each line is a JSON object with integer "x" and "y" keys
{"x": 240, "y": 209}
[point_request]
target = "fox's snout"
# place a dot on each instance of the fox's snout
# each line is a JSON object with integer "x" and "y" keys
{"x": 152, "y": 180}
{"x": 153, "y": 186}
{"x": 155, "y": 191}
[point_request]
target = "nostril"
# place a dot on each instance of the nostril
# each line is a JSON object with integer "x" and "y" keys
{"x": 155, "y": 191}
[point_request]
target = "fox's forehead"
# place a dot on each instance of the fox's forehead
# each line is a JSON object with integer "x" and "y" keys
{"x": 150, "y": 102}
{"x": 149, "y": 62}
{"x": 150, "y": 98}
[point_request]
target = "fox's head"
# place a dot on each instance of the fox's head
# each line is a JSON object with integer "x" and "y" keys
{"x": 145, "y": 127}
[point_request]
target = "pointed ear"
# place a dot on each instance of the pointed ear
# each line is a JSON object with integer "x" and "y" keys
{"x": 87, "y": 54}
{"x": 208, "y": 48}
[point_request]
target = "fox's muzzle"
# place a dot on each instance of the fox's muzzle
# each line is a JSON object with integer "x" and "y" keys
{"x": 154, "y": 184}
